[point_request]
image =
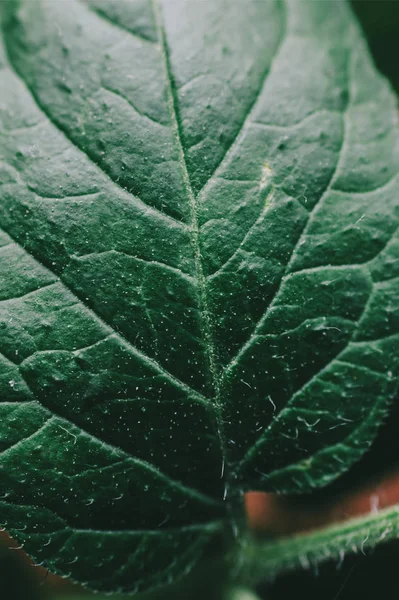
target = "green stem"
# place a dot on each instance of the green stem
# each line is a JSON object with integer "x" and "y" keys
{"x": 240, "y": 593}
{"x": 264, "y": 560}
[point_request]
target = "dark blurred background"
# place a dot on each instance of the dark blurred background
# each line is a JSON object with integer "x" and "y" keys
{"x": 380, "y": 21}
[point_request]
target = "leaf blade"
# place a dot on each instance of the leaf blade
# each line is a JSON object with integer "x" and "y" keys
{"x": 209, "y": 276}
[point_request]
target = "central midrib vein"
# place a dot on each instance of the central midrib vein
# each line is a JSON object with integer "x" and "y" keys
{"x": 206, "y": 321}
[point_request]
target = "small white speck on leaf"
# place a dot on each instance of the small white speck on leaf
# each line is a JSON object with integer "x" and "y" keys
{"x": 266, "y": 176}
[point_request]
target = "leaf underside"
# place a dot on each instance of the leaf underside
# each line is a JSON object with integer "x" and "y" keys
{"x": 199, "y": 257}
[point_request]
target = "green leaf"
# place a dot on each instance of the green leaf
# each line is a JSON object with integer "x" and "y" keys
{"x": 199, "y": 265}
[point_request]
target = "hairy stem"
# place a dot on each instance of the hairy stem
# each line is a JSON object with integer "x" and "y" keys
{"x": 265, "y": 559}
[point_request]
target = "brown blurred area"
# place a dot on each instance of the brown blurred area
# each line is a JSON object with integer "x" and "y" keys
{"x": 272, "y": 515}
{"x": 22, "y": 579}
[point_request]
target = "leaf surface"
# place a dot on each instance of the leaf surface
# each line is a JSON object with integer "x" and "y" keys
{"x": 199, "y": 265}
